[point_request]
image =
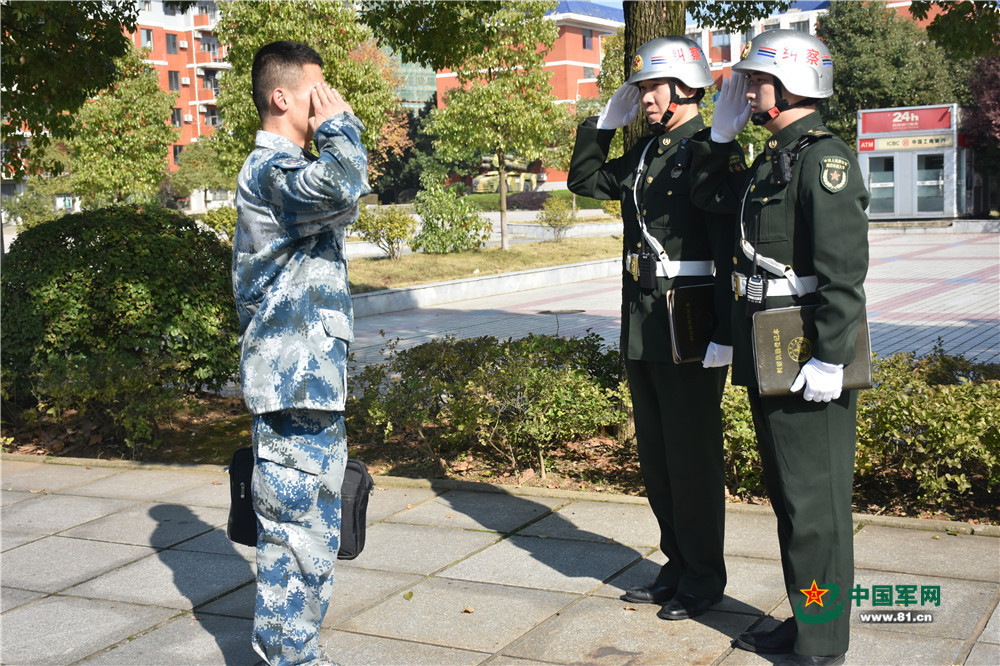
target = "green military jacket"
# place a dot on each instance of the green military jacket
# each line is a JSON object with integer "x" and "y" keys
{"x": 816, "y": 223}
{"x": 685, "y": 232}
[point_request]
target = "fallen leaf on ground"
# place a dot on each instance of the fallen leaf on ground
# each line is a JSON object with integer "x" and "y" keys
{"x": 408, "y": 595}
{"x": 468, "y": 609}
{"x": 35, "y": 492}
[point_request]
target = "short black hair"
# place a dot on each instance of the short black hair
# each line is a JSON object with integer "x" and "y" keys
{"x": 278, "y": 64}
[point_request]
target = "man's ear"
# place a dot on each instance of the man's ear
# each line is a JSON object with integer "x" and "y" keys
{"x": 278, "y": 99}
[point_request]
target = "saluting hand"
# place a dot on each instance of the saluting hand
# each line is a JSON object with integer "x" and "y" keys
{"x": 732, "y": 110}
{"x": 326, "y": 103}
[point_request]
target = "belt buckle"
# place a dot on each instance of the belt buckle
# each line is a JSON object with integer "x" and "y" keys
{"x": 633, "y": 266}
{"x": 736, "y": 286}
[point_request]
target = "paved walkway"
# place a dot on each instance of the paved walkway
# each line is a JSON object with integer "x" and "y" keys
{"x": 920, "y": 287}
{"x": 125, "y": 565}
{"x": 111, "y": 565}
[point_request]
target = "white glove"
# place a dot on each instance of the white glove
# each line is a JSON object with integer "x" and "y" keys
{"x": 732, "y": 110}
{"x": 621, "y": 109}
{"x": 823, "y": 381}
{"x": 717, "y": 356}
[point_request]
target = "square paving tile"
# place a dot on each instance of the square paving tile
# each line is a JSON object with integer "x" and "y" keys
{"x": 929, "y": 553}
{"x": 963, "y": 603}
{"x": 50, "y": 477}
{"x": 643, "y": 572}
{"x": 156, "y": 525}
{"x": 984, "y": 654}
{"x": 349, "y": 649}
{"x": 604, "y": 631}
{"x": 357, "y": 589}
{"x": 140, "y": 484}
{"x": 387, "y": 500}
{"x": 991, "y": 634}
{"x": 53, "y": 563}
{"x": 208, "y": 639}
{"x": 213, "y": 492}
{"x": 752, "y": 535}
{"x": 48, "y": 514}
{"x": 427, "y": 549}
{"x": 8, "y": 497}
{"x": 605, "y": 522}
{"x": 172, "y": 578}
{"x": 496, "y": 512}
{"x": 72, "y": 628}
{"x": 216, "y": 541}
{"x": 545, "y": 564}
{"x": 10, "y": 540}
{"x": 459, "y": 614}
{"x": 12, "y": 598}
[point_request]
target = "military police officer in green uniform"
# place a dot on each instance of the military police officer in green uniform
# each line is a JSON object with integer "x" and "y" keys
{"x": 802, "y": 239}
{"x": 668, "y": 244}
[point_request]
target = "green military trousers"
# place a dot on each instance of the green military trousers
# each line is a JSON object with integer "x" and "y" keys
{"x": 678, "y": 427}
{"x": 807, "y": 451}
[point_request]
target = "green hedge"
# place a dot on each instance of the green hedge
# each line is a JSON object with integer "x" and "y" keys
{"x": 927, "y": 433}
{"x": 116, "y": 314}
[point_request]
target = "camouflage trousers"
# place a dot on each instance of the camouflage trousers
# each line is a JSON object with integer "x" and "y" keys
{"x": 300, "y": 457}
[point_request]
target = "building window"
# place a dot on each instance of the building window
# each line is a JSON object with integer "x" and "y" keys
{"x": 588, "y": 72}
{"x": 147, "y": 38}
{"x": 210, "y": 81}
{"x": 212, "y": 117}
{"x": 174, "y": 79}
{"x": 171, "y": 43}
{"x": 695, "y": 37}
{"x": 147, "y": 5}
{"x": 207, "y": 8}
{"x": 721, "y": 49}
{"x": 770, "y": 26}
{"x": 588, "y": 39}
{"x": 801, "y": 26}
{"x": 210, "y": 44}
{"x": 175, "y": 118}
{"x": 177, "y": 153}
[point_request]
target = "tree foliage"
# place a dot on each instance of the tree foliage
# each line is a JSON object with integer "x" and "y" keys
{"x": 880, "y": 60}
{"x": 200, "y": 168}
{"x": 121, "y": 138}
{"x": 964, "y": 28}
{"x": 332, "y": 28}
{"x": 435, "y": 33}
{"x": 55, "y": 56}
{"x": 504, "y": 104}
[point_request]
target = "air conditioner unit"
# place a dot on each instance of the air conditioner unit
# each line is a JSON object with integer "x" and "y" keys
{"x": 201, "y": 108}
{"x": 185, "y": 80}
{"x": 200, "y": 72}
{"x": 197, "y": 34}
{"x": 188, "y": 118}
{"x": 183, "y": 44}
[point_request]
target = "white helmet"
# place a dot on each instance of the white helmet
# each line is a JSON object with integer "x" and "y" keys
{"x": 801, "y": 62}
{"x": 671, "y": 58}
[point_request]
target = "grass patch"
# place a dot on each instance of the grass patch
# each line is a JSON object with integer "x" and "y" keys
{"x": 419, "y": 268}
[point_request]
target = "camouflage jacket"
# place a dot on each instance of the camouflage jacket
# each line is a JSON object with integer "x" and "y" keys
{"x": 290, "y": 270}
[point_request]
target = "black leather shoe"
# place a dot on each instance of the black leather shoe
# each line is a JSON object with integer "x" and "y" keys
{"x": 810, "y": 660}
{"x": 776, "y": 641}
{"x": 649, "y": 594}
{"x": 685, "y": 606}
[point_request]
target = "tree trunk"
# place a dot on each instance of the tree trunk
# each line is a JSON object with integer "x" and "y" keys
{"x": 502, "y": 188}
{"x": 645, "y": 21}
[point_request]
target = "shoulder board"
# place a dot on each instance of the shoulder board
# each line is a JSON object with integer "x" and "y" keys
{"x": 703, "y": 134}
{"x": 819, "y": 133}
{"x": 291, "y": 163}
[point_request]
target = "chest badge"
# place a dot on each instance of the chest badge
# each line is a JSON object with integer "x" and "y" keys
{"x": 833, "y": 176}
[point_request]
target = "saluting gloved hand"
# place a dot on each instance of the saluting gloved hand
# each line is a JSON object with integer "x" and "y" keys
{"x": 717, "y": 356}
{"x": 823, "y": 381}
{"x": 621, "y": 109}
{"x": 732, "y": 110}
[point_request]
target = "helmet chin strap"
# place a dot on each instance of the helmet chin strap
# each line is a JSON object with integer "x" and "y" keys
{"x": 675, "y": 101}
{"x": 763, "y": 117}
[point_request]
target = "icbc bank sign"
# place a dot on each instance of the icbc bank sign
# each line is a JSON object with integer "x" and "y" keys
{"x": 926, "y": 119}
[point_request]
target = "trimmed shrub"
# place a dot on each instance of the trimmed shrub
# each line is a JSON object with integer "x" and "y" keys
{"x": 389, "y": 228}
{"x": 222, "y": 220}
{"x": 557, "y": 215}
{"x": 613, "y": 208}
{"x": 117, "y": 314}
{"x": 448, "y": 223}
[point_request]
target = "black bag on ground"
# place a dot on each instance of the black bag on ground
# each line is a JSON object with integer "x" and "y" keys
{"x": 358, "y": 485}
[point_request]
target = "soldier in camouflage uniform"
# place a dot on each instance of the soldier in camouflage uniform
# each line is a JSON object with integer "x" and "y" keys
{"x": 296, "y": 322}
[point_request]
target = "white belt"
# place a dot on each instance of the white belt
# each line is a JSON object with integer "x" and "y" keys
{"x": 670, "y": 268}
{"x": 777, "y": 287}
